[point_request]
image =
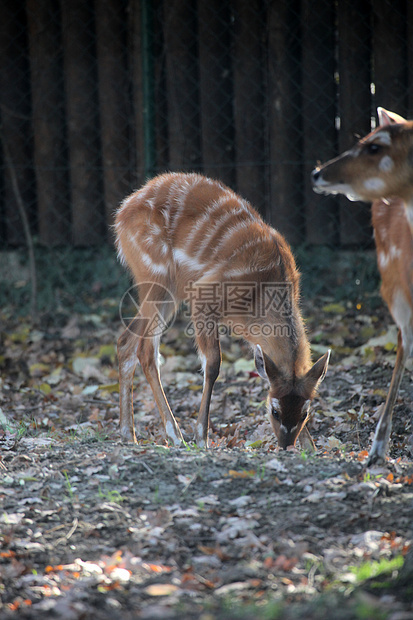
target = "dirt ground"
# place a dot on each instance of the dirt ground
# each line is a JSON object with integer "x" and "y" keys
{"x": 92, "y": 528}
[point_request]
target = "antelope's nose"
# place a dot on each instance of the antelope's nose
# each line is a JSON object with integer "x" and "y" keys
{"x": 286, "y": 439}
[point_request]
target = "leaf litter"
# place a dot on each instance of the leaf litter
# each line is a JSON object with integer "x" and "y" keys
{"x": 90, "y": 527}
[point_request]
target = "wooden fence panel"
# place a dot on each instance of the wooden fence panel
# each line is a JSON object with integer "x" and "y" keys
{"x": 215, "y": 87}
{"x": 318, "y": 113}
{"x": 113, "y": 105}
{"x": 250, "y": 91}
{"x": 48, "y": 121}
{"x": 248, "y": 102}
{"x": 409, "y": 53}
{"x": 354, "y": 105}
{"x": 285, "y": 204}
{"x": 82, "y": 117}
{"x": 134, "y": 65}
{"x": 389, "y": 49}
{"x": 15, "y": 117}
{"x": 182, "y": 84}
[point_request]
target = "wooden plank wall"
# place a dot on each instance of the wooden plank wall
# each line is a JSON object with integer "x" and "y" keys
{"x": 253, "y": 92}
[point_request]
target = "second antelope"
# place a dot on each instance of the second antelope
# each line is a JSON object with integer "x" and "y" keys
{"x": 379, "y": 169}
{"x": 187, "y": 237}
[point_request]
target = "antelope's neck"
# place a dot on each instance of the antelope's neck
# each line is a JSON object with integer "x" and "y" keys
{"x": 288, "y": 346}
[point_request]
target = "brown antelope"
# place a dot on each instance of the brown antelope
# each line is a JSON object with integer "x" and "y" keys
{"x": 379, "y": 169}
{"x": 187, "y": 237}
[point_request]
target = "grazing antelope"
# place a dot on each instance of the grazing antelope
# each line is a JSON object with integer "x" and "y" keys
{"x": 187, "y": 237}
{"x": 379, "y": 169}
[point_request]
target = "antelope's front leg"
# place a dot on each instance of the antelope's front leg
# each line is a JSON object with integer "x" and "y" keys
{"x": 210, "y": 353}
{"x": 306, "y": 441}
{"x": 378, "y": 449}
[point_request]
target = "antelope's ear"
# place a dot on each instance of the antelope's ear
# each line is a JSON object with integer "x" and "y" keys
{"x": 260, "y": 363}
{"x": 317, "y": 372}
{"x": 269, "y": 371}
{"x": 388, "y": 118}
{"x": 265, "y": 367}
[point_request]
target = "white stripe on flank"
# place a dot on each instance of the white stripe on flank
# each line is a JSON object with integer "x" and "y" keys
{"x": 181, "y": 257}
{"x": 164, "y": 248}
{"x": 172, "y": 194}
{"x": 166, "y": 215}
{"x": 244, "y": 247}
{"x": 246, "y": 270}
{"x": 154, "y": 229}
{"x": 203, "y": 220}
{"x": 180, "y": 194}
{"x": 156, "y": 268}
{"x": 230, "y": 232}
{"x": 121, "y": 256}
{"x": 216, "y": 224}
{"x": 141, "y": 194}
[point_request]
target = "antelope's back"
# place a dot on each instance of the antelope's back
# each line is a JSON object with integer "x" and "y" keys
{"x": 185, "y": 227}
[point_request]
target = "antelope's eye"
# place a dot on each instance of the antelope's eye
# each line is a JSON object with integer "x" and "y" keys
{"x": 373, "y": 148}
{"x": 275, "y": 414}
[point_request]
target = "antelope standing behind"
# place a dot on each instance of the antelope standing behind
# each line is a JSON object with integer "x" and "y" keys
{"x": 187, "y": 237}
{"x": 379, "y": 169}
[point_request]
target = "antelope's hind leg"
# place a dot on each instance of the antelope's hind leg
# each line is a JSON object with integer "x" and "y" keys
{"x": 127, "y": 359}
{"x": 137, "y": 344}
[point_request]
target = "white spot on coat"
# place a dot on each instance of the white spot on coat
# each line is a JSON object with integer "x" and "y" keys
{"x": 374, "y": 184}
{"x": 383, "y": 260}
{"x": 386, "y": 164}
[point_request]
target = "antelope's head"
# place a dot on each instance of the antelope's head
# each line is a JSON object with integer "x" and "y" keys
{"x": 380, "y": 165}
{"x": 289, "y": 400}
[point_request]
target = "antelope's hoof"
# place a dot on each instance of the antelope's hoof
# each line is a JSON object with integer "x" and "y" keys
{"x": 128, "y": 437}
{"x": 375, "y": 458}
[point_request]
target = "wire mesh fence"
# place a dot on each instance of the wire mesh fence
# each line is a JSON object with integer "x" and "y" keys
{"x": 96, "y": 96}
